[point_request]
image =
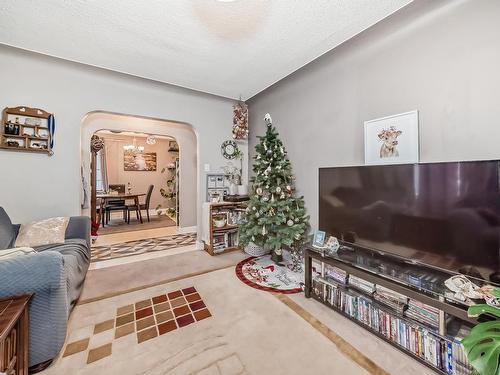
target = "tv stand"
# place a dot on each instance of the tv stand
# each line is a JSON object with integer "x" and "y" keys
{"x": 443, "y": 353}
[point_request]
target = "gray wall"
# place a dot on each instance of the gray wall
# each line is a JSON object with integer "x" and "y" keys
{"x": 439, "y": 57}
{"x": 34, "y": 186}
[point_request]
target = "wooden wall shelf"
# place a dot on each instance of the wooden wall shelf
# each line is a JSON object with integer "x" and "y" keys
{"x": 26, "y": 129}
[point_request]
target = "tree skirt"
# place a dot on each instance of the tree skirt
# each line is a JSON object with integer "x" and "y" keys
{"x": 262, "y": 273}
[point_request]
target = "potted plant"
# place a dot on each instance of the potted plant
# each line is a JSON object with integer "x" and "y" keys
{"x": 482, "y": 344}
{"x": 219, "y": 220}
{"x": 169, "y": 193}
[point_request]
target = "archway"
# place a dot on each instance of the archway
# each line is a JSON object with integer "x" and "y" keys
{"x": 182, "y": 132}
{"x": 144, "y": 170}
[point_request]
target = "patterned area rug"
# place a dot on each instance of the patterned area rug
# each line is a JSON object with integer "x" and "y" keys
{"x": 262, "y": 273}
{"x": 146, "y": 319}
{"x": 126, "y": 249}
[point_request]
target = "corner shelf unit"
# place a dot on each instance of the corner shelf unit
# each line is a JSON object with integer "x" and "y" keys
{"x": 395, "y": 327}
{"x": 25, "y": 129}
{"x": 224, "y": 239}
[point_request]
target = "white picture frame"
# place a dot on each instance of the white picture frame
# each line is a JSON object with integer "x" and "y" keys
{"x": 392, "y": 139}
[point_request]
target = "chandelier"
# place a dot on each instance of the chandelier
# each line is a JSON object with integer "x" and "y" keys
{"x": 133, "y": 147}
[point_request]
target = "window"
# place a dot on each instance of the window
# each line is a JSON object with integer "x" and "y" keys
{"x": 99, "y": 171}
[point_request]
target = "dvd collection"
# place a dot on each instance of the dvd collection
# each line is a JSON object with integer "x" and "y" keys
{"x": 445, "y": 354}
{"x": 224, "y": 240}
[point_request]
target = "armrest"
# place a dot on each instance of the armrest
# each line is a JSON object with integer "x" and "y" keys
{"x": 79, "y": 227}
{"x": 32, "y": 273}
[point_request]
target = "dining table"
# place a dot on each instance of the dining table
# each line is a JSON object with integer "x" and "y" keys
{"x": 104, "y": 197}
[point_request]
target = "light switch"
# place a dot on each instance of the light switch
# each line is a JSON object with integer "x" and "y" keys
{"x": 207, "y": 167}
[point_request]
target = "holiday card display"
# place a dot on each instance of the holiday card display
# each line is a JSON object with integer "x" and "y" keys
{"x": 275, "y": 216}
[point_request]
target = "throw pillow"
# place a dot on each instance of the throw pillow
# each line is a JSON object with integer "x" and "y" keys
{"x": 44, "y": 232}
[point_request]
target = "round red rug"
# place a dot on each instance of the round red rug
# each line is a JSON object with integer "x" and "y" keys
{"x": 263, "y": 274}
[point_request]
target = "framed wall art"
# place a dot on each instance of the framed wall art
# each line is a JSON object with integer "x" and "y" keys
{"x": 392, "y": 140}
{"x": 139, "y": 161}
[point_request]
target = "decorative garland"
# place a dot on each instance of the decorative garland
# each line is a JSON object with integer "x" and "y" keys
{"x": 240, "y": 121}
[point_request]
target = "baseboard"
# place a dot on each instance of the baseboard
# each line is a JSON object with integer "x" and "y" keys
{"x": 200, "y": 245}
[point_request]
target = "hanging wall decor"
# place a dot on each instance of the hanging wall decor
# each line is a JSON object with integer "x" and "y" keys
{"x": 240, "y": 121}
{"x": 229, "y": 149}
{"x": 139, "y": 161}
{"x": 27, "y": 129}
{"x": 392, "y": 139}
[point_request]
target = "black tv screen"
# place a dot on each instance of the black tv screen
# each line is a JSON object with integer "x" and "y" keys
{"x": 446, "y": 215}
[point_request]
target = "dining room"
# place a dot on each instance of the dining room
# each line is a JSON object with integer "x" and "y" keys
{"x": 136, "y": 181}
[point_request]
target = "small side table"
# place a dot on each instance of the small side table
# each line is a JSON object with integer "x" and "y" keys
{"x": 14, "y": 323}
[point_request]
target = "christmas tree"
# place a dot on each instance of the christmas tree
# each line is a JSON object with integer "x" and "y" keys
{"x": 275, "y": 216}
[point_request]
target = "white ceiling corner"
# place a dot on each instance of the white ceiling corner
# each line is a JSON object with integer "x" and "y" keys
{"x": 232, "y": 49}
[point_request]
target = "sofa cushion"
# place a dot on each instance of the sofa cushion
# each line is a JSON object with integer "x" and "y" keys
{"x": 7, "y": 230}
{"x": 16, "y": 252}
{"x": 43, "y": 232}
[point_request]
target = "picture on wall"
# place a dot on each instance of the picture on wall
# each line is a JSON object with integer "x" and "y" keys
{"x": 139, "y": 161}
{"x": 392, "y": 139}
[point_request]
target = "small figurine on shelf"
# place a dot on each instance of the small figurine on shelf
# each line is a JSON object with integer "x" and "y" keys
{"x": 11, "y": 129}
{"x": 331, "y": 246}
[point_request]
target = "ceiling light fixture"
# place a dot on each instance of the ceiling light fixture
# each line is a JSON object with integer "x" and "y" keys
{"x": 133, "y": 147}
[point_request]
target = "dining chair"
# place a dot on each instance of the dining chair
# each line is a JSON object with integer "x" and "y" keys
{"x": 116, "y": 204}
{"x": 142, "y": 206}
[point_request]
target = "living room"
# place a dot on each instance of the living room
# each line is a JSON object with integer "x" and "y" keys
{"x": 340, "y": 166}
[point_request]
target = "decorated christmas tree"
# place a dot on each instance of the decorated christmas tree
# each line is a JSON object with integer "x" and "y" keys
{"x": 276, "y": 218}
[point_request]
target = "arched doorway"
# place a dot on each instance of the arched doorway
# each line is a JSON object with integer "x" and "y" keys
{"x": 136, "y": 184}
{"x": 184, "y": 136}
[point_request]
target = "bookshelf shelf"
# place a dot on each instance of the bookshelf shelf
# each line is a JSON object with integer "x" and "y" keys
{"x": 434, "y": 346}
{"x": 227, "y": 227}
{"x": 379, "y": 335}
{"x": 220, "y": 240}
{"x": 379, "y": 305}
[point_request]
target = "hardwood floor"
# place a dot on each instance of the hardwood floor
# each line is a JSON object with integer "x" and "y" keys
{"x": 117, "y": 225}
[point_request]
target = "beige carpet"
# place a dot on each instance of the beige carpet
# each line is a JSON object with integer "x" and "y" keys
{"x": 248, "y": 332}
{"x": 128, "y": 277}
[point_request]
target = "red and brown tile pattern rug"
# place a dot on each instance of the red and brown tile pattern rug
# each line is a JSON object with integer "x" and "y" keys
{"x": 146, "y": 319}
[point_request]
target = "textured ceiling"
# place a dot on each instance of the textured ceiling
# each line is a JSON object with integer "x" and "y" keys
{"x": 233, "y": 49}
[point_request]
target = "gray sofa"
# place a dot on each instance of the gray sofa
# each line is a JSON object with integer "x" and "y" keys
{"x": 55, "y": 274}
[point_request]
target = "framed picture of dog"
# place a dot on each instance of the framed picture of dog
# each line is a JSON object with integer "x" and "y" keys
{"x": 392, "y": 140}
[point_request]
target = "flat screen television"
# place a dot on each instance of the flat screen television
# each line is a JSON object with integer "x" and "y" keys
{"x": 446, "y": 215}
